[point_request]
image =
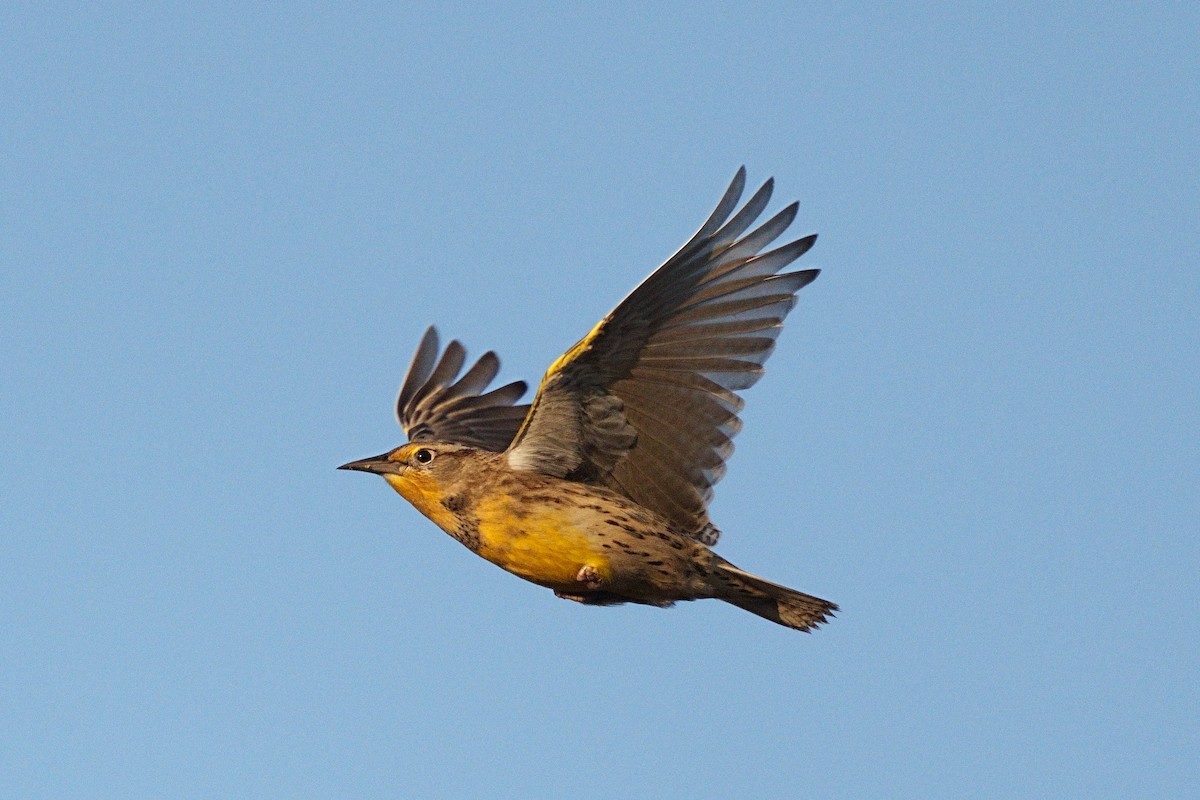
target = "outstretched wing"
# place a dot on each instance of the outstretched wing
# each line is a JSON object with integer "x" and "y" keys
{"x": 645, "y": 404}
{"x": 435, "y": 405}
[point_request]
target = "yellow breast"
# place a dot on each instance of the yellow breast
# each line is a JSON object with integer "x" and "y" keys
{"x": 541, "y": 543}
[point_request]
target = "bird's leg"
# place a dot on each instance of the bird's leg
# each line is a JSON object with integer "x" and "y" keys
{"x": 591, "y": 580}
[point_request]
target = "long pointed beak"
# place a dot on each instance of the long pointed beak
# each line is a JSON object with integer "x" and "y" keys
{"x": 377, "y": 464}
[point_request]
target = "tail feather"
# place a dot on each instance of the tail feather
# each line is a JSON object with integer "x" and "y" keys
{"x": 770, "y": 600}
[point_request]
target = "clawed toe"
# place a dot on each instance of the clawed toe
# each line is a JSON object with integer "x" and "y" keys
{"x": 589, "y": 577}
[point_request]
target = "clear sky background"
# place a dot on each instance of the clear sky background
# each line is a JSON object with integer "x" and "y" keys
{"x": 223, "y": 230}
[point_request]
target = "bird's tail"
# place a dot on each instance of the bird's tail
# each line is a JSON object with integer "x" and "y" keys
{"x": 770, "y": 600}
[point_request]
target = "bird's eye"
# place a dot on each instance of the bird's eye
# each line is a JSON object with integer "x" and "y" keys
{"x": 423, "y": 456}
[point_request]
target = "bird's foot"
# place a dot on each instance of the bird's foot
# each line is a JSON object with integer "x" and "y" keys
{"x": 594, "y": 598}
{"x": 589, "y": 577}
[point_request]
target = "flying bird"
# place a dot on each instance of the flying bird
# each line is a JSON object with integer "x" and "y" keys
{"x": 599, "y": 488}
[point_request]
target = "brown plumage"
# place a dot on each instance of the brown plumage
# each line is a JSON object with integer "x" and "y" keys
{"x": 599, "y": 489}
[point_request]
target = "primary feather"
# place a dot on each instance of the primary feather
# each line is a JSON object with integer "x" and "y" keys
{"x": 435, "y": 405}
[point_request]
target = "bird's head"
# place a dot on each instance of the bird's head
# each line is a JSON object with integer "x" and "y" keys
{"x": 424, "y": 473}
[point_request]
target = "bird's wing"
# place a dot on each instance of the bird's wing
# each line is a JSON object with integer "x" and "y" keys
{"x": 435, "y": 404}
{"x": 645, "y": 404}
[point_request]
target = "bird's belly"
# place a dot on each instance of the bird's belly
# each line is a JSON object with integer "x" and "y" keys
{"x": 547, "y": 545}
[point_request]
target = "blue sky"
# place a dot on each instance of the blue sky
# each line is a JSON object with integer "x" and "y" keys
{"x": 223, "y": 230}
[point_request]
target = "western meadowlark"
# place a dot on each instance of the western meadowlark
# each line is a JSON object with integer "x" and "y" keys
{"x": 599, "y": 488}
